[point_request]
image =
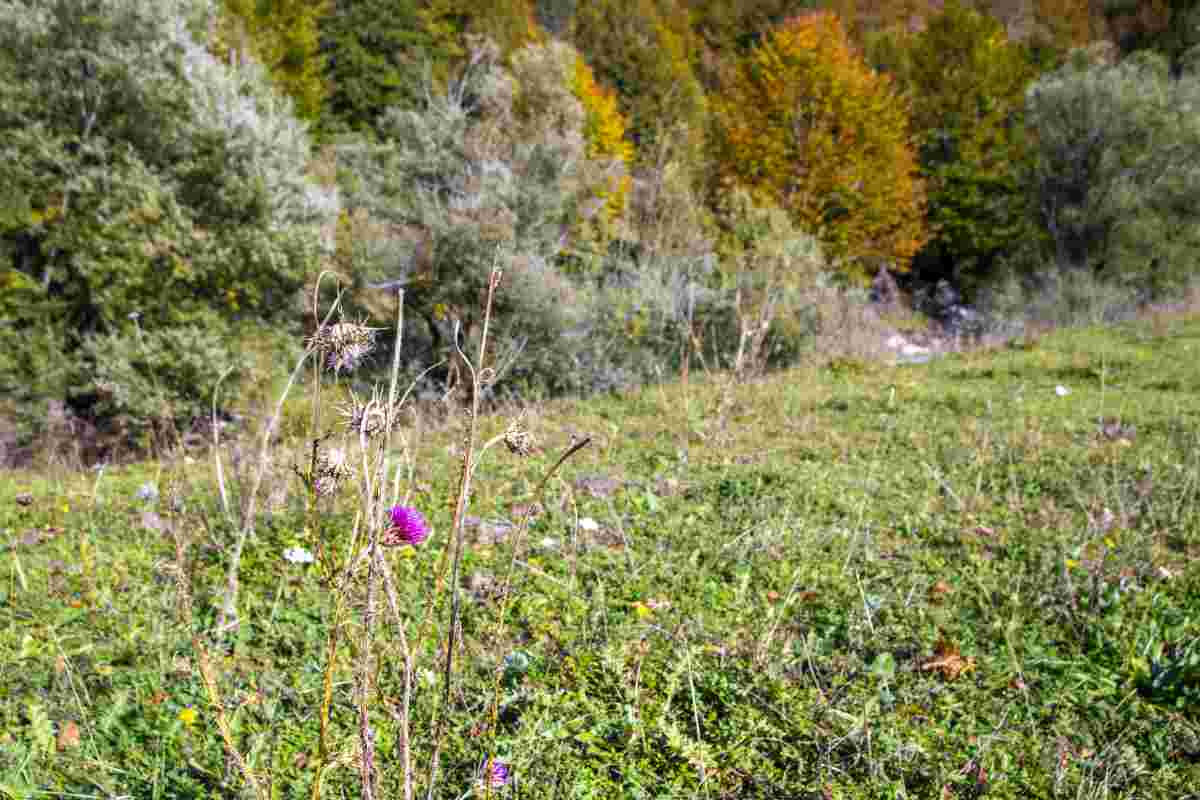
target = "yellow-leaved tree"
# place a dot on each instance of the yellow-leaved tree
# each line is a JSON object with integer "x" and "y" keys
{"x": 604, "y": 131}
{"x": 806, "y": 124}
{"x": 284, "y": 35}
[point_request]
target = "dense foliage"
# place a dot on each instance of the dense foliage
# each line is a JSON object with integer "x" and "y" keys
{"x": 499, "y": 170}
{"x": 1116, "y": 185}
{"x": 149, "y": 189}
{"x": 645, "y": 50}
{"x": 967, "y": 82}
{"x": 377, "y": 54}
{"x": 283, "y": 36}
{"x": 158, "y": 169}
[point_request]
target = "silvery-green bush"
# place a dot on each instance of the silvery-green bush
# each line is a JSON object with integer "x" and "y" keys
{"x": 1117, "y": 180}
{"x": 141, "y": 177}
{"x": 494, "y": 171}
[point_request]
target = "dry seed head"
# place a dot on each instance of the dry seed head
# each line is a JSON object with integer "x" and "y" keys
{"x": 365, "y": 418}
{"x": 343, "y": 345}
{"x": 333, "y": 467}
{"x": 518, "y": 439}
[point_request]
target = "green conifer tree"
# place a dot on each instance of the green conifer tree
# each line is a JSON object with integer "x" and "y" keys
{"x": 377, "y": 54}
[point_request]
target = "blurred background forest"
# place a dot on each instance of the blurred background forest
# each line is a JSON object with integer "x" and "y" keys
{"x": 663, "y": 182}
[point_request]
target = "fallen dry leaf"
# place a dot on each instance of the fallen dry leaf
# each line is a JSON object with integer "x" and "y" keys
{"x": 68, "y": 737}
{"x": 948, "y": 661}
{"x": 938, "y": 590}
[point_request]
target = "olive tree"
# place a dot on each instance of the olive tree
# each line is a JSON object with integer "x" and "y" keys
{"x": 1117, "y": 181}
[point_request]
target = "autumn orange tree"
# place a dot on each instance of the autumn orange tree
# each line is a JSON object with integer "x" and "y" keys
{"x": 804, "y": 123}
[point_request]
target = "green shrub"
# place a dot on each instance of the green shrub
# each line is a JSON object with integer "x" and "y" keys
{"x": 155, "y": 380}
{"x": 1115, "y": 184}
{"x": 474, "y": 180}
{"x": 143, "y": 177}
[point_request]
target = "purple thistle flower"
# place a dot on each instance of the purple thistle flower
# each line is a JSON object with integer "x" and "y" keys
{"x": 494, "y": 774}
{"x": 408, "y": 527}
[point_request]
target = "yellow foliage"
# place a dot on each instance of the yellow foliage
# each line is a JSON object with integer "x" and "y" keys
{"x": 605, "y": 125}
{"x": 605, "y": 137}
{"x": 283, "y": 35}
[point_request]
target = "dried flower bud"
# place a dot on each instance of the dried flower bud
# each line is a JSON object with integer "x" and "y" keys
{"x": 343, "y": 345}
{"x": 518, "y": 439}
{"x": 333, "y": 467}
{"x": 366, "y": 419}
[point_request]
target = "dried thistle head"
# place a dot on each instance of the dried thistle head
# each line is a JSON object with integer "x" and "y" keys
{"x": 333, "y": 468}
{"x": 369, "y": 418}
{"x": 518, "y": 439}
{"x": 343, "y": 345}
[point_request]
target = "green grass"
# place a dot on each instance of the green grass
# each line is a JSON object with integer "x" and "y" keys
{"x": 869, "y": 582}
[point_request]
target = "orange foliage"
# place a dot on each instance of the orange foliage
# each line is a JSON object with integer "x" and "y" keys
{"x": 1071, "y": 23}
{"x": 807, "y": 125}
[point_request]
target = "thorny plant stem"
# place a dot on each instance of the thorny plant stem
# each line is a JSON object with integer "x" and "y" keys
{"x": 327, "y": 696}
{"x": 402, "y": 726}
{"x": 216, "y": 434}
{"x": 326, "y": 559}
{"x": 218, "y": 709}
{"x": 372, "y": 496}
{"x": 402, "y": 718}
{"x": 228, "y": 618}
{"x": 460, "y": 508}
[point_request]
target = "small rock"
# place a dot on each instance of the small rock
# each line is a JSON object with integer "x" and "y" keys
{"x": 598, "y": 486}
{"x": 153, "y": 521}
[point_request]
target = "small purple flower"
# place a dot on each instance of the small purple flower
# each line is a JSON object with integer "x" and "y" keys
{"x": 494, "y": 774}
{"x": 408, "y": 527}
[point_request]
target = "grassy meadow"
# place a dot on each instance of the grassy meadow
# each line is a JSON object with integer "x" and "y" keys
{"x": 942, "y": 580}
